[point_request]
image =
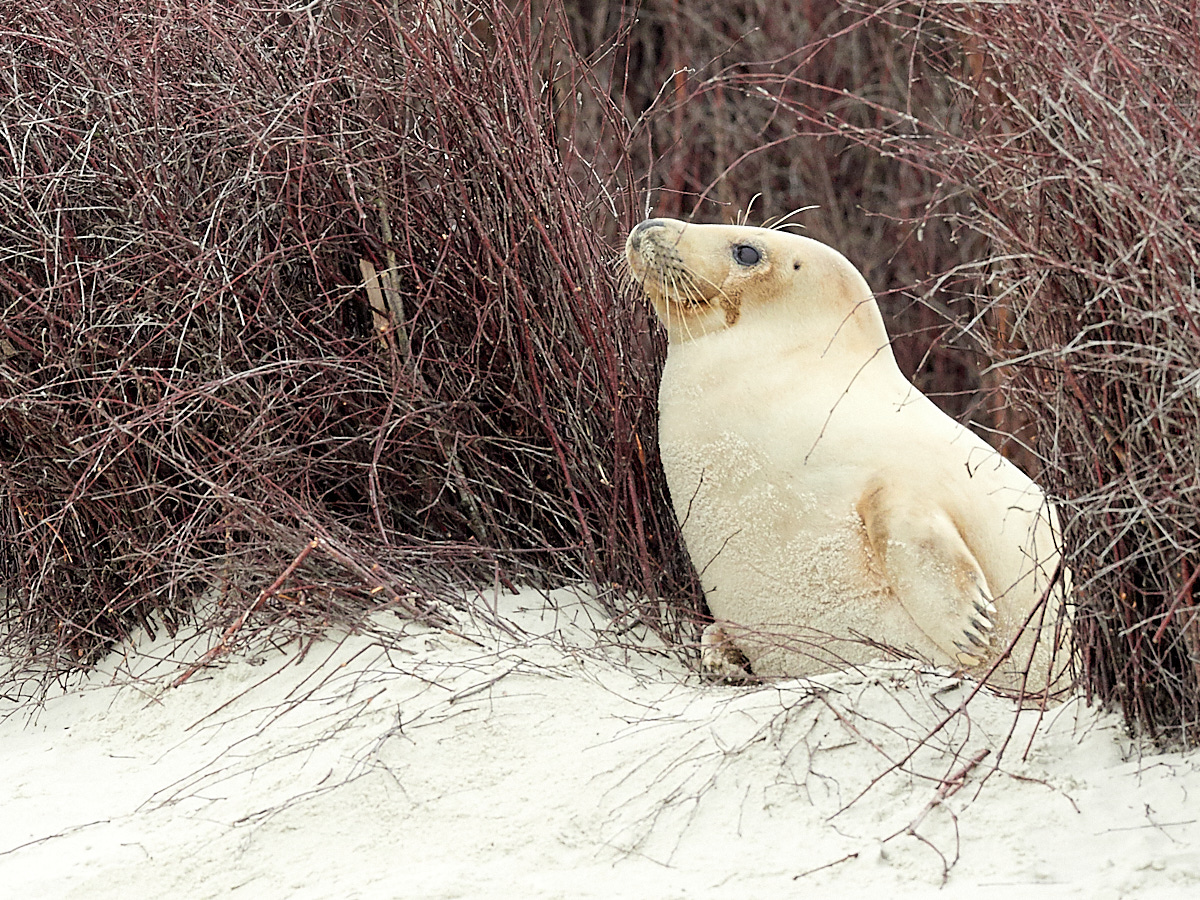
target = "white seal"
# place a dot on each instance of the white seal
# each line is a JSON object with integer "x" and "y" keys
{"x": 834, "y": 513}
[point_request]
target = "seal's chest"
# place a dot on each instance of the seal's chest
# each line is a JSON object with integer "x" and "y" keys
{"x": 733, "y": 499}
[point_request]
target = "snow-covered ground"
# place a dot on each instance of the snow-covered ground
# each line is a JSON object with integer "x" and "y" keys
{"x": 539, "y": 754}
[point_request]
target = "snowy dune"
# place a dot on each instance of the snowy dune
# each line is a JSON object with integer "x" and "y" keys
{"x": 538, "y": 754}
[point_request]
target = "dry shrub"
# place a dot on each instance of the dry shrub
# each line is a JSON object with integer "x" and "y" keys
{"x": 1084, "y": 153}
{"x": 299, "y": 304}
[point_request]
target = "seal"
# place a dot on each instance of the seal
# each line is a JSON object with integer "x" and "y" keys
{"x": 834, "y": 514}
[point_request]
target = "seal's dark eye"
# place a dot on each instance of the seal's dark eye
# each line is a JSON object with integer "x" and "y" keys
{"x": 746, "y": 255}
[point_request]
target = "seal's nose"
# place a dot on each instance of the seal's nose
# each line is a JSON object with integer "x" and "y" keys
{"x": 643, "y": 226}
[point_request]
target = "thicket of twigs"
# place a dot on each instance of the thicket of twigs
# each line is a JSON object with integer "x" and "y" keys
{"x": 1082, "y": 153}
{"x": 311, "y": 306}
{"x": 299, "y": 303}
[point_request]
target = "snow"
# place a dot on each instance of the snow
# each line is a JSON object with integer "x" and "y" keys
{"x": 542, "y": 752}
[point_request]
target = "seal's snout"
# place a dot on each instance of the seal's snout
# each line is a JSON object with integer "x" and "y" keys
{"x": 636, "y": 241}
{"x": 641, "y": 248}
{"x": 680, "y": 275}
{"x": 642, "y": 227}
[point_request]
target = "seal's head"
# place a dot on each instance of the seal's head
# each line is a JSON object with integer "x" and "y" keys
{"x": 703, "y": 279}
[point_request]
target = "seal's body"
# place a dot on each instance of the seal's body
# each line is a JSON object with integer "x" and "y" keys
{"x": 832, "y": 511}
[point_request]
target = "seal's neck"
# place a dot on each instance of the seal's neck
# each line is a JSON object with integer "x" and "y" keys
{"x": 852, "y": 334}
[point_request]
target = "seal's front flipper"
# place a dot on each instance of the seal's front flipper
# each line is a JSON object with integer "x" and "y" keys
{"x": 931, "y": 570}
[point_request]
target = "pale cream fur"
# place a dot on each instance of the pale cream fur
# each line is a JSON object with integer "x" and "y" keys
{"x": 831, "y": 509}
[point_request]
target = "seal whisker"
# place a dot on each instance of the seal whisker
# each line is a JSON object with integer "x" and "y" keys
{"x": 781, "y": 222}
{"x": 626, "y": 278}
{"x": 744, "y": 216}
{"x": 684, "y": 295}
{"x": 691, "y": 293}
{"x": 675, "y": 298}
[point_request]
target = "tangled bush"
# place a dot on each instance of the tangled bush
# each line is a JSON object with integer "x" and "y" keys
{"x": 305, "y": 290}
{"x": 1084, "y": 154}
